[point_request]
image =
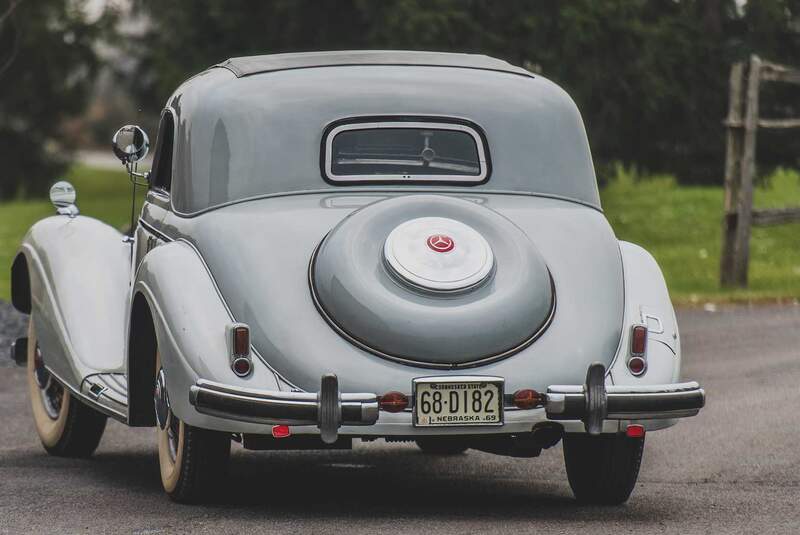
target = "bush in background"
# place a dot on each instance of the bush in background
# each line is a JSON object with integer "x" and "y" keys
{"x": 47, "y": 65}
{"x": 650, "y": 76}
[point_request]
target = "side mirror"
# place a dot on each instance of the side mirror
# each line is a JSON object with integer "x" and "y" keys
{"x": 130, "y": 144}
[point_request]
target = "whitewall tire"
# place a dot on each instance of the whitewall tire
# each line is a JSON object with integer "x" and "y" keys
{"x": 66, "y": 427}
{"x": 192, "y": 461}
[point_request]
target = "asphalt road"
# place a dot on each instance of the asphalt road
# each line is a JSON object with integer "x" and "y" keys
{"x": 735, "y": 468}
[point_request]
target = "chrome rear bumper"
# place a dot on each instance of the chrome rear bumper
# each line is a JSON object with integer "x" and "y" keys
{"x": 329, "y": 409}
{"x": 594, "y": 402}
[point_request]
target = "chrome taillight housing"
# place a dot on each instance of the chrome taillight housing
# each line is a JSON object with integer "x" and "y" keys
{"x": 239, "y": 349}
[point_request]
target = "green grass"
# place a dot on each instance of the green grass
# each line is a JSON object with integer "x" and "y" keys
{"x": 679, "y": 225}
{"x": 682, "y": 225}
{"x": 103, "y": 194}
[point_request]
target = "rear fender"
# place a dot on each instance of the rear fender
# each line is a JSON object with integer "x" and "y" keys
{"x": 73, "y": 274}
{"x": 647, "y": 301}
{"x": 189, "y": 321}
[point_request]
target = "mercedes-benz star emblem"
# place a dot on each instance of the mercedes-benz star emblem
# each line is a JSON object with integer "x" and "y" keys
{"x": 441, "y": 243}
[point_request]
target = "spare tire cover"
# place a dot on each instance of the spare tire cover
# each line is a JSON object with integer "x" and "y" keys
{"x": 432, "y": 280}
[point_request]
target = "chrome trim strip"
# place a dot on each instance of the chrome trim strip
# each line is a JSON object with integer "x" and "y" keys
{"x": 439, "y": 124}
{"x": 381, "y": 190}
{"x": 654, "y": 389}
{"x": 110, "y": 388}
{"x": 458, "y": 379}
{"x": 622, "y": 318}
{"x": 647, "y": 316}
{"x": 89, "y": 401}
{"x": 152, "y": 230}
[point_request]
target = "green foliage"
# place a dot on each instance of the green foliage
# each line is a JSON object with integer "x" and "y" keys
{"x": 103, "y": 194}
{"x": 681, "y": 227}
{"x": 650, "y": 76}
{"x": 47, "y": 64}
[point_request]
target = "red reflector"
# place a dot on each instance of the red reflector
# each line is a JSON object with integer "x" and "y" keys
{"x": 241, "y": 366}
{"x": 635, "y": 431}
{"x": 638, "y": 340}
{"x": 637, "y": 365}
{"x": 281, "y": 431}
{"x": 241, "y": 341}
{"x": 527, "y": 399}
{"x": 393, "y": 402}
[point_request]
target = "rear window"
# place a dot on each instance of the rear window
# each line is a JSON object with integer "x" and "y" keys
{"x": 398, "y": 151}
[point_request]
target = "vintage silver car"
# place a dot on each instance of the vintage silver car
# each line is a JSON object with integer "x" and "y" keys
{"x": 369, "y": 245}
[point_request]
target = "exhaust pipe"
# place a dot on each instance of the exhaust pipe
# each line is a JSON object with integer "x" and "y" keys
{"x": 544, "y": 435}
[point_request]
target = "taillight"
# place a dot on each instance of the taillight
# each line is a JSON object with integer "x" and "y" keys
{"x": 637, "y": 363}
{"x": 241, "y": 340}
{"x": 393, "y": 402}
{"x": 527, "y": 399}
{"x": 239, "y": 347}
{"x": 638, "y": 340}
{"x": 241, "y": 366}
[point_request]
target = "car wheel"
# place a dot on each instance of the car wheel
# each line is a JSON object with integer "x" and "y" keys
{"x": 192, "y": 461}
{"x": 66, "y": 427}
{"x": 602, "y": 469}
{"x": 442, "y": 445}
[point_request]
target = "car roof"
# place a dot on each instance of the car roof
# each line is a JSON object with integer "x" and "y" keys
{"x": 249, "y": 65}
{"x": 260, "y": 132}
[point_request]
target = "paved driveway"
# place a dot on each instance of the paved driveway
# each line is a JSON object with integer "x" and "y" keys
{"x": 735, "y": 468}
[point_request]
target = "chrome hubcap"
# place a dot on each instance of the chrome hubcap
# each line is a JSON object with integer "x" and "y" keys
{"x": 161, "y": 400}
{"x": 173, "y": 434}
{"x": 51, "y": 391}
{"x": 167, "y": 422}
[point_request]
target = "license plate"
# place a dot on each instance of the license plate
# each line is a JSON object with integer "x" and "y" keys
{"x": 458, "y": 401}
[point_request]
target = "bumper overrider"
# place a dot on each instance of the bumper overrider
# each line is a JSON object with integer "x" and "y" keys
{"x": 594, "y": 401}
{"x": 329, "y": 409}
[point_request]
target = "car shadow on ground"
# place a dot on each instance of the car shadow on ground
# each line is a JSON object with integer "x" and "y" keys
{"x": 368, "y": 484}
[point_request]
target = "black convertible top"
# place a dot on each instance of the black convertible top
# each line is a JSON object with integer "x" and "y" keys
{"x": 245, "y": 66}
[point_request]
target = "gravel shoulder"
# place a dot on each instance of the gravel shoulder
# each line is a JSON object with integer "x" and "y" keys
{"x": 12, "y": 326}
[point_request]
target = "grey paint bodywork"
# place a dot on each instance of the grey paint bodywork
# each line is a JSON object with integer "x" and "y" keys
{"x": 298, "y": 343}
{"x": 224, "y": 153}
{"x": 249, "y": 65}
{"x": 355, "y": 291}
{"x": 79, "y": 272}
{"x": 247, "y": 259}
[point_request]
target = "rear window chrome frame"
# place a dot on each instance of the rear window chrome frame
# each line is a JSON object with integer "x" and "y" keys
{"x": 437, "y": 123}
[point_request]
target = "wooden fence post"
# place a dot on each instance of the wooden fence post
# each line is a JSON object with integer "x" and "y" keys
{"x": 739, "y": 173}
{"x": 740, "y": 166}
{"x": 733, "y": 151}
{"x": 748, "y": 169}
